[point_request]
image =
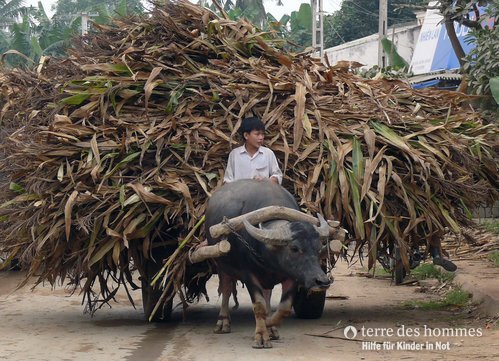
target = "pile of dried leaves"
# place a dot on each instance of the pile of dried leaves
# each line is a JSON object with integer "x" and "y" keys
{"x": 119, "y": 146}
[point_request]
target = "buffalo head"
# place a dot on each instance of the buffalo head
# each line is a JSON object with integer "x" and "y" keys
{"x": 296, "y": 247}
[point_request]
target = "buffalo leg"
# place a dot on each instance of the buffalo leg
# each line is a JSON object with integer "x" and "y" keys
{"x": 284, "y": 308}
{"x": 226, "y": 287}
{"x": 273, "y": 333}
{"x": 262, "y": 339}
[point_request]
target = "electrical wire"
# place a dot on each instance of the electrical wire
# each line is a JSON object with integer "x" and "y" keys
{"x": 371, "y": 13}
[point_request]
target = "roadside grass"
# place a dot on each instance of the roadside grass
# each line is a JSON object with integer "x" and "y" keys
{"x": 421, "y": 272}
{"x": 380, "y": 271}
{"x": 377, "y": 271}
{"x": 491, "y": 226}
{"x": 494, "y": 258}
{"x": 428, "y": 270}
{"x": 454, "y": 298}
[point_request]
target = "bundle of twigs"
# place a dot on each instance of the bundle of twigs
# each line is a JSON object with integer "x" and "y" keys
{"x": 120, "y": 145}
{"x": 473, "y": 242}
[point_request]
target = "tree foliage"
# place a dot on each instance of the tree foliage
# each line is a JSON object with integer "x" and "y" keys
{"x": 113, "y": 7}
{"x": 359, "y": 18}
{"x": 297, "y": 27}
{"x": 481, "y": 64}
{"x": 30, "y": 32}
{"x": 10, "y": 11}
{"x": 34, "y": 34}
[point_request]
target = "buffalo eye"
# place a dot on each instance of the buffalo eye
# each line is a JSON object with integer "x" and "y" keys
{"x": 294, "y": 249}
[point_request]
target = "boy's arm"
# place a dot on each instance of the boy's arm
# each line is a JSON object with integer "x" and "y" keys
{"x": 229, "y": 171}
{"x": 275, "y": 171}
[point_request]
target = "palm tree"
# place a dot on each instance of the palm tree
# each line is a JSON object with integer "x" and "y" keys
{"x": 32, "y": 33}
{"x": 10, "y": 11}
{"x": 254, "y": 10}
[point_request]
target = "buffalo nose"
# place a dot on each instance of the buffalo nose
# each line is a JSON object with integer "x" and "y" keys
{"x": 322, "y": 282}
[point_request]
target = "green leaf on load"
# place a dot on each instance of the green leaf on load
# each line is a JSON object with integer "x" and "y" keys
{"x": 102, "y": 251}
{"x": 76, "y": 99}
{"x": 60, "y": 173}
{"x": 390, "y": 135}
{"x": 21, "y": 198}
{"x": 210, "y": 176}
{"x": 122, "y": 195}
{"x": 123, "y": 162}
{"x": 16, "y": 188}
{"x": 359, "y": 219}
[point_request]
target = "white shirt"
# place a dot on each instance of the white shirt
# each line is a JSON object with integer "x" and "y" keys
{"x": 243, "y": 166}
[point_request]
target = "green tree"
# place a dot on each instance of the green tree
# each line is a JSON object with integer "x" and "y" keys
{"x": 33, "y": 33}
{"x": 297, "y": 27}
{"x": 67, "y": 12}
{"x": 359, "y": 18}
{"x": 10, "y": 12}
{"x": 113, "y": 7}
{"x": 252, "y": 10}
{"x": 19, "y": 41}
{"x": 481, "y": 64}
{"x": 54, "y": 35}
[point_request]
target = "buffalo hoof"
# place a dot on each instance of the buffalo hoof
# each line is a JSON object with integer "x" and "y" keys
{"x": 260, "y": 342}
{"x": 273, "y": 333}
{"x": 222, "y": 326}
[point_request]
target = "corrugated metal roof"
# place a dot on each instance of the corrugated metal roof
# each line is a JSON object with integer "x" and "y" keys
{"x": 434, "y": 75}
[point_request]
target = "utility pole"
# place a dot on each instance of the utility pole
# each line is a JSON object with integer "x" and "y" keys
{"x": 318, "y": 26}
{"x": 84, "y": 22}
{"x": 383, "y": 19}
{"x": 85, "y": 17}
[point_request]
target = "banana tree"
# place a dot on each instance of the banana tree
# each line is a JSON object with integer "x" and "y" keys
{"x": 10, "y": 12}
{"x": 28, "y": 38}
{"x": 19, "y": 43}
{"x": 297, "y": 27}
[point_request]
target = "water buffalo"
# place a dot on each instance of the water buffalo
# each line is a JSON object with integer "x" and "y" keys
{"x": 283, "y": 250}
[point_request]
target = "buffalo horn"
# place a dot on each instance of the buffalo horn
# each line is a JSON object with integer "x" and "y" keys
{"x": 323, "y": 228}
{"x": 278, "y": 236}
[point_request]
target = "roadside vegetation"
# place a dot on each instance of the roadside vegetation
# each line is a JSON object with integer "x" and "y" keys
{"x": 428, "y": 270}
{"x": 494, "y": 258}
{"x": 492, "y": 226}
{"x": 454, "y": 298}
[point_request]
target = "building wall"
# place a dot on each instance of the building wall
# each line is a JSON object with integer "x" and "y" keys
{"x": 487, "y": 212}
{"x": 365, "y": 50}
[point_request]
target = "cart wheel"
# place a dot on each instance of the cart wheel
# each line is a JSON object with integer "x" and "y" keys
{"x": 309, "y": 305}
{"x": 151, "y": 296}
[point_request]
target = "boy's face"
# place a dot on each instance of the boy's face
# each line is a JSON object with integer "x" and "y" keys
{"x": 254, "y": 138}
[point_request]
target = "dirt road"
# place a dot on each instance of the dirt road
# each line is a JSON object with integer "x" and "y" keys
{"x": 50, "y": 325}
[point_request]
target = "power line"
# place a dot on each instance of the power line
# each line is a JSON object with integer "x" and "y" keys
{"x": 336, "y": 31}
{"x": 371, "y": 13}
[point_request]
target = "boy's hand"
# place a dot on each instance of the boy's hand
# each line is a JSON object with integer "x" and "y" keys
{"x": 272, "y": 179}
